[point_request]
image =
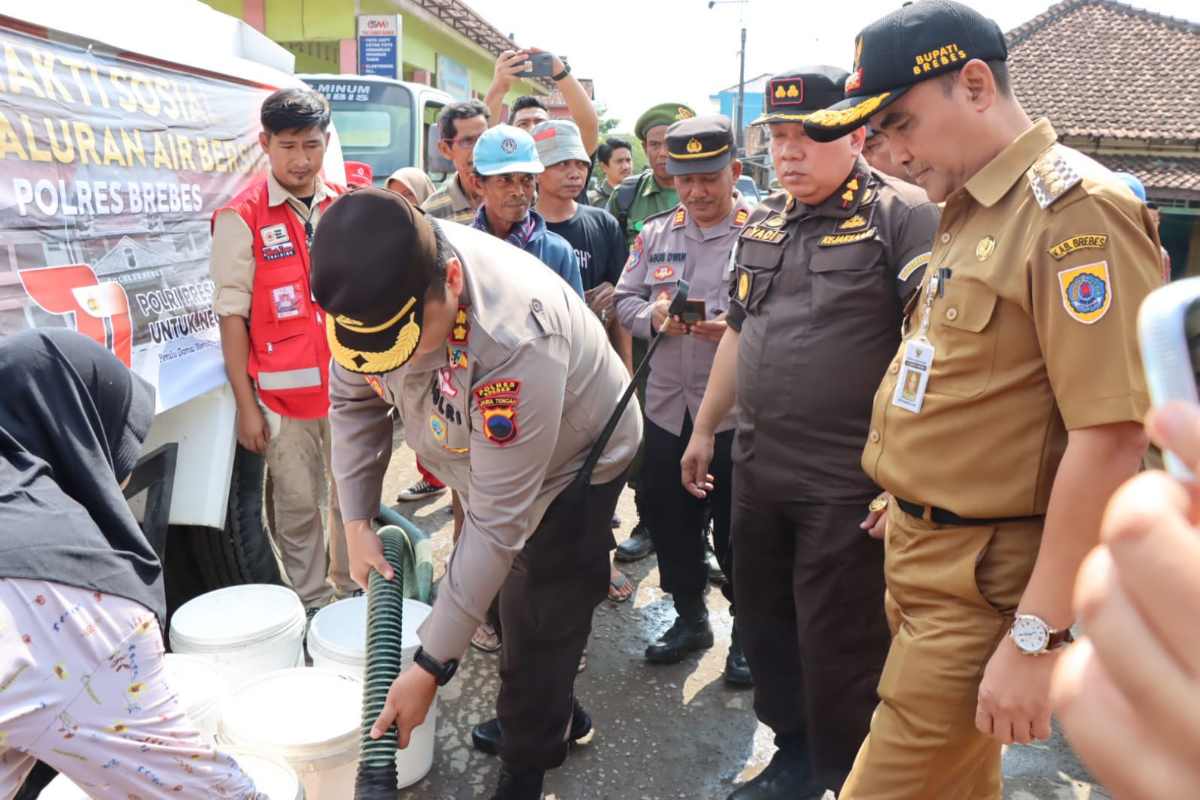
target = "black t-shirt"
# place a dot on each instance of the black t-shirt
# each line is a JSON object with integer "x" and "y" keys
{"x": 598, "y": 243}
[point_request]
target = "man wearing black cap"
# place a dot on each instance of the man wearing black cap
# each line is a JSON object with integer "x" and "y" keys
{"x": 504, "y": 380}
{"x": 821, "y": 275}
{"x": 690, "y": 242}
{"x": 1011, "y": 411}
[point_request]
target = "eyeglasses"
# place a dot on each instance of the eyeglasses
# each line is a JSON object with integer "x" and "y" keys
{"x": 464, "y": 142}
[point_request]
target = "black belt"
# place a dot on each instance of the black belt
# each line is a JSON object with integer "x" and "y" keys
{"x": 943, "y": 517}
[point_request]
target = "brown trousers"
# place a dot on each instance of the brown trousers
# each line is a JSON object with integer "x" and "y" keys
{"x": 809, "y": 586}
{"x": 952, "y": 592}
{"x": 301, "y": 479}
{"x": 546, "y": 607}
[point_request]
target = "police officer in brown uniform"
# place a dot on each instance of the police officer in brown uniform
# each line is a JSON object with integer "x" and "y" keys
{"x": 1011, "y": 410}
{"x": 690, "y": 242}
{"x": 823, "y": 272}
{"x": 504, "y": 380}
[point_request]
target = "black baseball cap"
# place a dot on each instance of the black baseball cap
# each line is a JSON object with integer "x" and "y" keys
{"x": 699, "y": 145}
{"x": 374, "y": 257}
{"x": 919, "y": 41}
{"x": 791, "y": 96}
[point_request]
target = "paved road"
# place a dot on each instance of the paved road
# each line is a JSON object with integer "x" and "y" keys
{"x": 661, "y": 732}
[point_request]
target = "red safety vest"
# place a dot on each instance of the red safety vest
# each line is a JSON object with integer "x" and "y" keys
{"x": 289, "y": 355}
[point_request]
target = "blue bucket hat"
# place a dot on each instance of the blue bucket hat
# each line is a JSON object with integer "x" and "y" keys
{"x": 505, "y": 149}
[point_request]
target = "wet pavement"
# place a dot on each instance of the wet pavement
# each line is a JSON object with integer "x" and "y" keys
{"x": 661, "y": 732}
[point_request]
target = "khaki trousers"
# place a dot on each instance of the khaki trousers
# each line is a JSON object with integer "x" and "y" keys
{"x": 298, "y": 457}
{"x": 951, "y": 595}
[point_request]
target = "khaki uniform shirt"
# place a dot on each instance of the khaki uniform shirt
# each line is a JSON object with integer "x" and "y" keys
{"x": 450, "y": 202}
{"x": 818, "y": 297}
{"x": 232, "y": 261}
{"x": 505, "y": 414}
{"x": 649, "y": 200}
{"x": 671, "y": 248}
{"x": 1033, "y": 333}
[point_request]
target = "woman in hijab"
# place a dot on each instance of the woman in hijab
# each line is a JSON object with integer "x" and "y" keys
{"x": 82, "y": 685}
{"x": 412, "y": 184}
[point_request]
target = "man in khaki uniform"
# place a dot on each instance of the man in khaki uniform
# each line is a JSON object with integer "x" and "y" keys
{"x": 821, "y": 276}
{"x": 1024, "y": 414}
{"x": 253, "y": 313}
{"x": 459, "y": 125}
{"x": 504, "y": 380}
{"x": 690, "y": 242}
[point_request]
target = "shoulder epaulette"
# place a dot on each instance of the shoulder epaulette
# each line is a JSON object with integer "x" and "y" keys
{"x": 1051, "y": 177}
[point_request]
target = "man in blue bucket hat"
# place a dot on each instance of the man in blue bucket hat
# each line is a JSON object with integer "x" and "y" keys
{"x": 506, "y": 162}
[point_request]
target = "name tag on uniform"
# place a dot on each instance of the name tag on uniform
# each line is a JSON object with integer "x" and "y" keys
{"x": 914, "y": 376}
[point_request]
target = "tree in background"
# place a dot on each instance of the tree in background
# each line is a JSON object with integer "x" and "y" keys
{"x": 608, "y": 127}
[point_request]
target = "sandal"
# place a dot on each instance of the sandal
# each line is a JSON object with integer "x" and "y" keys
{"x": 485, "y": 639}
{"x": 620, "y": 588}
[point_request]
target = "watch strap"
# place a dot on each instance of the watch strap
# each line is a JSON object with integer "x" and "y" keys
{"x": 565, "y": 72}
{"x": 1060, "y": 639}
{"x": 442, "y": 673}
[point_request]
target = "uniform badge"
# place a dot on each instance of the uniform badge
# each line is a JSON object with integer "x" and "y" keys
{"x": 663, "y": 272}
{"x": 1051, "y": 177}
{"x": 838, "y": 239}
{"x": 680, "y": 218}
{"x": 854, "y": 223}
{"x": 498, "y": 401}
{"x": 457, "y": 356}
{"x": 274, "y": 235}
{"x": 851, "y": 189}
{"x": 745, "y": 283}
{"x": 774, "y": 222}
{"x": 985, "y": 248}
{"x": 286, "y": 300}
{"x": 1084, "y": 241}
{"x": 1086, "y": 291}
{"x": 374, "y": 382}
{"x": 445, "y": 385}
{"x": 462, "y": 327}
{"x": 739, "y": 219}
{"x": 913, "y": 265}
{"x": 764, "y": 234}
{"x": 635, "y": 254}
{"x": 439, "y": 429}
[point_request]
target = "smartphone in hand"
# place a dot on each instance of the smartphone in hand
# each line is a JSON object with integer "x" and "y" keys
{"x": 1169, "y": 337}
{"x": 693, "y": 313}
{"x": 542, "y": 66}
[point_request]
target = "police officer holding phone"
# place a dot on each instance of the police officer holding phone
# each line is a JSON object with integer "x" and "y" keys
{"x": 690, "y": 242}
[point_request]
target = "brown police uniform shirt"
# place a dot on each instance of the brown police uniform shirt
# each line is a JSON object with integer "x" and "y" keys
{"x": 672, "y": 247}
{"x": 232, "y": 260}
{"x": 818, "y": 295}
{"x": 505, "y": 414}
{"x": 1033, "y": 333}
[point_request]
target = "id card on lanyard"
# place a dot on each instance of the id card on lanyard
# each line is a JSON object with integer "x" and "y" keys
{"x": 916, "y": 361}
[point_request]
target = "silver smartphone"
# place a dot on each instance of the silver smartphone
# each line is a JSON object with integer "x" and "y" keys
{"x": 1169, "y": 336}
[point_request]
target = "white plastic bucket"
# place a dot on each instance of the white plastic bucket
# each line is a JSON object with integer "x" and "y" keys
{"x": 337, "y": 640}
{"x": 272, "y": 777}
{"x": 201, "y": 686}
{"x": 247, "y": 630}
{"x": 308, "y": 717}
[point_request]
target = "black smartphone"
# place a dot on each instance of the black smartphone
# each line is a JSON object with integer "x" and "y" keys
{"x": 543, "y": 66}
{"x": 694, "y": 312}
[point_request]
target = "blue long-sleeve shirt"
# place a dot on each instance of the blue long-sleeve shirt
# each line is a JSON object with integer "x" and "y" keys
{"x": 534, "y": 238}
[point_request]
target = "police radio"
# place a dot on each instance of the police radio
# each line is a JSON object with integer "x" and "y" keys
{"x": 1169, "y": 336}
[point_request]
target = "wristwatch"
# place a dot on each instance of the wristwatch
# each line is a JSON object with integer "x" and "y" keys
{"x": 566, "y": 70}
{"x": 442, "y": 673}
{"x": 1033, "y": 636}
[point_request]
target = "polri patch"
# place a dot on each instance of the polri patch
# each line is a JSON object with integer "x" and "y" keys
{"x": 1086, "y": 292}
{"x": 1084, "y": 241}
{"x": 838, "y": 239}
{"x": 663, "y": 272}
{"x": 498, "y": 401}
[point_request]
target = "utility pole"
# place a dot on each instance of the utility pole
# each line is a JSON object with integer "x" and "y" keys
{"x": 739, "y": 113}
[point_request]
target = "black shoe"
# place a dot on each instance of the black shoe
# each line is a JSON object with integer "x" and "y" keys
{"x": 519, "y": 785}
{"x": 687, "y": 635}
{"x": 737, "y": 669}
{"x": 787, "y": 777}
{"x": 486, "y": 735}
{"x": 637, "y": 546}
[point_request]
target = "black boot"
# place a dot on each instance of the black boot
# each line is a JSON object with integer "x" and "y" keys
{"x": 519, "y": 784}
{"x": 737, "y": 670}
{"x": 787, "y": 777}
{"x": 691, "y": 632}
{"x": 486, "y": 735}
{"x": 637, "y": 546}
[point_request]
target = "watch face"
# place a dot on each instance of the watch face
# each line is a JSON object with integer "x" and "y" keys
{"x": 1030, "y": 634}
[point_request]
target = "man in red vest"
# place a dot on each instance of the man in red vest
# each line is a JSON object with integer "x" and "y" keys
{"x": 273, "y": 337}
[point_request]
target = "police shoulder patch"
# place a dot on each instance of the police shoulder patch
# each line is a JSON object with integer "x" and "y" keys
{"x": 1086, "y": 291}
{"x": 498, "y": 401}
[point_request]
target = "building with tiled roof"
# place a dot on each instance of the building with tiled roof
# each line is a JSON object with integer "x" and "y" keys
{"x": 1122, "y": 85}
